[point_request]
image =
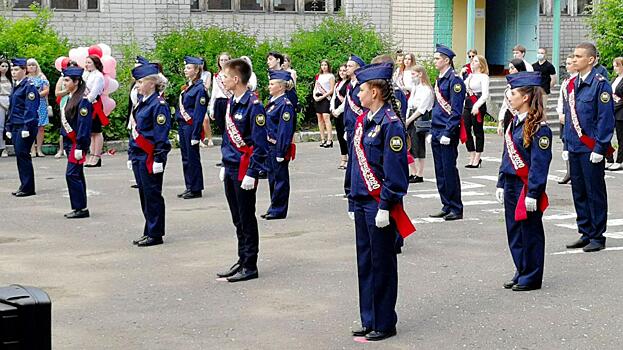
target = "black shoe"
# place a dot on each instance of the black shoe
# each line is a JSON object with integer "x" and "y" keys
{"x": 509, "y": 284}
{"x": 149, "y": 241}
{"x": 232, "y": 270}
{"x": 219, "y": 165}
{"x": 361, "y": 332}
{"x": 263, "y": 216}
{"x": 594, "y": 247}
{"x": 137, "y": 241}
{"x": 521, "y": 288}
{"x": 23, "y": 194}
{"x": 273, "y": 217}
{"x": 262, "y": 175}
{"x": 580, "y": 243}
{"x": 328, "y": 145}
{"x": 453, "y": 216}
{"x": 412, "y": 179}
{"x": 323, "y": 143}
{"x": 134, "y": 186}
{"x": 243, "y": 274}
{"x": 565, "y": 180}
{"x": 379, "y": 335}
{"x": 441, "y": 214}
{"x": 78, "y": 214}
{"x": 96, "y": 165}
{"x": 418, "y": 179}
{"x": 191, "y": 195}
{"x": 180, "y": 195}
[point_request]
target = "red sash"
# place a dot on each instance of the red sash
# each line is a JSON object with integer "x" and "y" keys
{"x": 98, "y": 111}
{"x": 474, "y": 99}
{"x": 219, "y": 82}
{"x": 71, "y": 135}
{"x": 143, "y": 143}
{"x": 236, "y": 139}
{"x": 403, "y": 223}
{"x": 588, "y": 141}
{"x": 319, "y": 86}
{"x": 353, "y": 106}
{"x": 521, "y": 170}
{"x": 446, "y": 107}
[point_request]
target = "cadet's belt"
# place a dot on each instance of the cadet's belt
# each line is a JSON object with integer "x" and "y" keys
{"x": 403, "y": 223}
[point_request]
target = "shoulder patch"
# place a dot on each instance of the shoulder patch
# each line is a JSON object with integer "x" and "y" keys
{"x": 84, "y": 111}
{"x": 162, "y": 101}
{"x": 161, "y": 119}
{"x": 202, "y": 100}
{"x": 544, "y": 142}
{"x": 255, "y": 100}
{"x": 31, "y": 96}
{"x": 396, "y": 144}
{"x": 604, "y": 97}
{"x": 260, "y": 119}
{"x": 286, "y": 116}
{"x": 458, "y": 88}
{"x": 600, "y": 77}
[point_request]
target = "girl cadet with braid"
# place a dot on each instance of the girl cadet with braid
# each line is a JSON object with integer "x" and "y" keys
{"x": 379, "y": 180}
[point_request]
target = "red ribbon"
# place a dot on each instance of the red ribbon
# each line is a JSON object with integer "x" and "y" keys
{"x": 474, "y": 99}
{"x": 71, "y": 157}
{"x": 291, "y": 153}
{"x": 98, "y": 112}
{"x": 148, "y": 148}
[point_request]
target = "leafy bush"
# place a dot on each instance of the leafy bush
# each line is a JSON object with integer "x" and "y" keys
{"x": 605, "y": 24}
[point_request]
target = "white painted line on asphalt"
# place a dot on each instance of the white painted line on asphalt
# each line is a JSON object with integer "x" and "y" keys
{"x": 614, "y": 235}
{"x": 569, "y": 226}
{"x": 424, "y": 190}
{"x": 551, "y": 177}
{"x": 486, "y": 177}
{"x": 491, "y": 159}
{"x": 560, "y": 216}
{"x": 437, "y": 220}
{"x": 494, "y": 211}
{"x": 469, "y": 203}
{"x": 578, "y": 251}
{"x": 463, "y": 194}
{"x": 426, "y": 195}
{"x": 465, "y": 185}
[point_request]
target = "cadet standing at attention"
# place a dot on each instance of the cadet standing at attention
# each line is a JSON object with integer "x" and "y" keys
{"x": 190, "y": 113}
{"x": 445, "y": 130}
{"x": 589, "y": 126}
{"x": 280, "y": 126}
{"x": 21, "y": 125}
{"x": 244, "y": 151}
{"x": 149, "y": 146}
{"x": 76, "y": 118}
{"x": 523, "y": 178}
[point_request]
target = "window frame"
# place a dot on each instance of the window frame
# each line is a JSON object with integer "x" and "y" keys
{"x": 265, "y": 8}
{"x": 12, "y": 5}
{"x": 86, "y": 6}
{"x": 327, "y": 5}
{"x": 83, "y": 6}
{"x": 296, "y": 7}
{"x": 65, "y": 10}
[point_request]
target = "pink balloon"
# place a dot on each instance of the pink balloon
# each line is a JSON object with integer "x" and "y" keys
{"x": 108, "y": 104}
{"x": 110, "y": 65}
{"x": 58, "y": 63}
{"x": 106, "y": 51}
{"x": 113, "y": 85}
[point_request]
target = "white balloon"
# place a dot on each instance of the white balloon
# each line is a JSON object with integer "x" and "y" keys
{"x": 106, "y": 50}
{"x": 81, "y": 55}
{"x": 113, "y": 85}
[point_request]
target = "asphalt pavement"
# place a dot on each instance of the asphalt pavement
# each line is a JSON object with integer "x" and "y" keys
{"x": 109, "y": 294}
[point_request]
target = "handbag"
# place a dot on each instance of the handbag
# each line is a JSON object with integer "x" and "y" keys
{"x": 423, "y": 123}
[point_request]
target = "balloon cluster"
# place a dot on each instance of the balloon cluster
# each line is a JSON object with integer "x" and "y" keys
{"x": 103, "y": 51}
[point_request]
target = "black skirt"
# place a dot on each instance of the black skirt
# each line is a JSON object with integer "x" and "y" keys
{"x": 322, "y": 106}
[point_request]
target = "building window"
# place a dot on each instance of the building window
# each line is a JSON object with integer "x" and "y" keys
{"x": 219, "y": 4}
{"x": 65, "y": 4}
{"x": 315, "y": 6}
{"x": 24, "y": 4}
{"x": 194, "y": 5}
{"x": 284, "y": 5}
{"x": 584, "y": 7}
{"x": 564, "y": 7}
{"x": 251, "y": 5}
{"x": 93, "y": 5}
{"x": 337, "y": 5}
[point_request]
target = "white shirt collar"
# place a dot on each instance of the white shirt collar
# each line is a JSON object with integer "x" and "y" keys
{"x": 583, "y": 77}
{"x": 238, "y": 98}
{"x": 521, "y": 117}
{"x": 276, "y": 97}
{"x": 443, "y": 74}
{"x": 146, "y": 97}
{"x": 371, "y": 114}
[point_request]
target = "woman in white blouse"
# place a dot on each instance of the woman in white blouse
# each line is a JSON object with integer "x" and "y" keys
{"x": 6, "y": 87}
{"x": 617, "y": 97}
{"x": 477, "y": 85}
{"x": 95, "y": 87}
{"x": 323, "y": 90}
{"x": 418, "y": 121}
{"x": 406, "y": 82}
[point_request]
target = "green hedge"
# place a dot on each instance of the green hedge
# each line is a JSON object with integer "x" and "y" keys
{"x": 605, "y": 23}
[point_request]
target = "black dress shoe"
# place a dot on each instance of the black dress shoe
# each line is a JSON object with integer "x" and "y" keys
{"x": 565, "y": 180}
{"x": 522, "y": 288}
{"x": 453, "y": 216}
{"x": 243, "y": 274}
{"x": 580, "y": 243}
{"x": 263, "y": 216}
{"x": 134, "y": 186}
{"x": 273, "y": 217}
{"x": 78, "y": 214}
{"x": 191, "y": 195}
{"x": 137, "y": 241}
{"x": 180, "y": 195}
{"x": 232, "y": 270}
{"x": 361, "y": 331}
{"x": 418, "y": 179}
{"x": 509, "y": 284}
{"x": 218, "y": 165}
{"x": 149, "y": 241}
{"x": 23, "y": 194}
{"x": 441, "y": 214}
{"x": 594, "y": 247}
{"x": 379, "y": 335}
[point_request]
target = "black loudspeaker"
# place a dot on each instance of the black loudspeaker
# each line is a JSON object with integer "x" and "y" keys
{"x": 25, "y": 318}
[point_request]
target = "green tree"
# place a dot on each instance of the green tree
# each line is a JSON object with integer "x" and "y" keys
{"x": 605, "y": 25}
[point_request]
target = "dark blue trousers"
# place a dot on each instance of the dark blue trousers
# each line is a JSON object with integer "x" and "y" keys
{"x": 22, "y": 155}
{"x": 447, "y": 175}
{"x": 191, "y": 159}
{"x": 279, "y": 185}
{"x": 526, "y": 239}
{"x": 377, "y": 268}
{"x": 220, "y": 108}
{"x": 152, "y": 202}
{"x": 589, "y": 196}
{"x": 242, "y": 207}
{"x": 76, "y": 183}
{"x": 349, "y": 166}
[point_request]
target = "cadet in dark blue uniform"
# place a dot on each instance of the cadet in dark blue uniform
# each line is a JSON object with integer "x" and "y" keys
{"x": 244, "y": 150}
{"x": 21, "y": 125}
{"x": 192, "y": 107}
{"x": 447, "y": 111}
{"x": 523, "y": 178}
{"x": 280, "y": 125}
{"x": 589, "y": 126}
{"x": 148, "y": 149}
{"x": 379, "y": 180}
{"x": 76, "y": 119}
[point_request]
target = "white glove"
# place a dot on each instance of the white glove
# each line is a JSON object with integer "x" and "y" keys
{"x": 346, "y": 136}
{"x": 9, "y": 135}
{"x": 78, "y": 154}
{"x": 499, "y": 195}
{"x": 351, "y": 215}
{"x": 382, "y": 218}
{"x": 129, "y": 165}
{"x": 595, "y": 157}
{"x": 530, "y": 204}
{"x": 248, "y": 183}
{"x": 565, "y": 155}
{"x": 158, "y": 168}
{"x": 25, "y": 134}
{"x": 279, "y": 159}
{"x": 221, "y": 174}
{"x": 444, "y": 140}
{"x": 194, "y": 142}
{"x": 429, "y": 138}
